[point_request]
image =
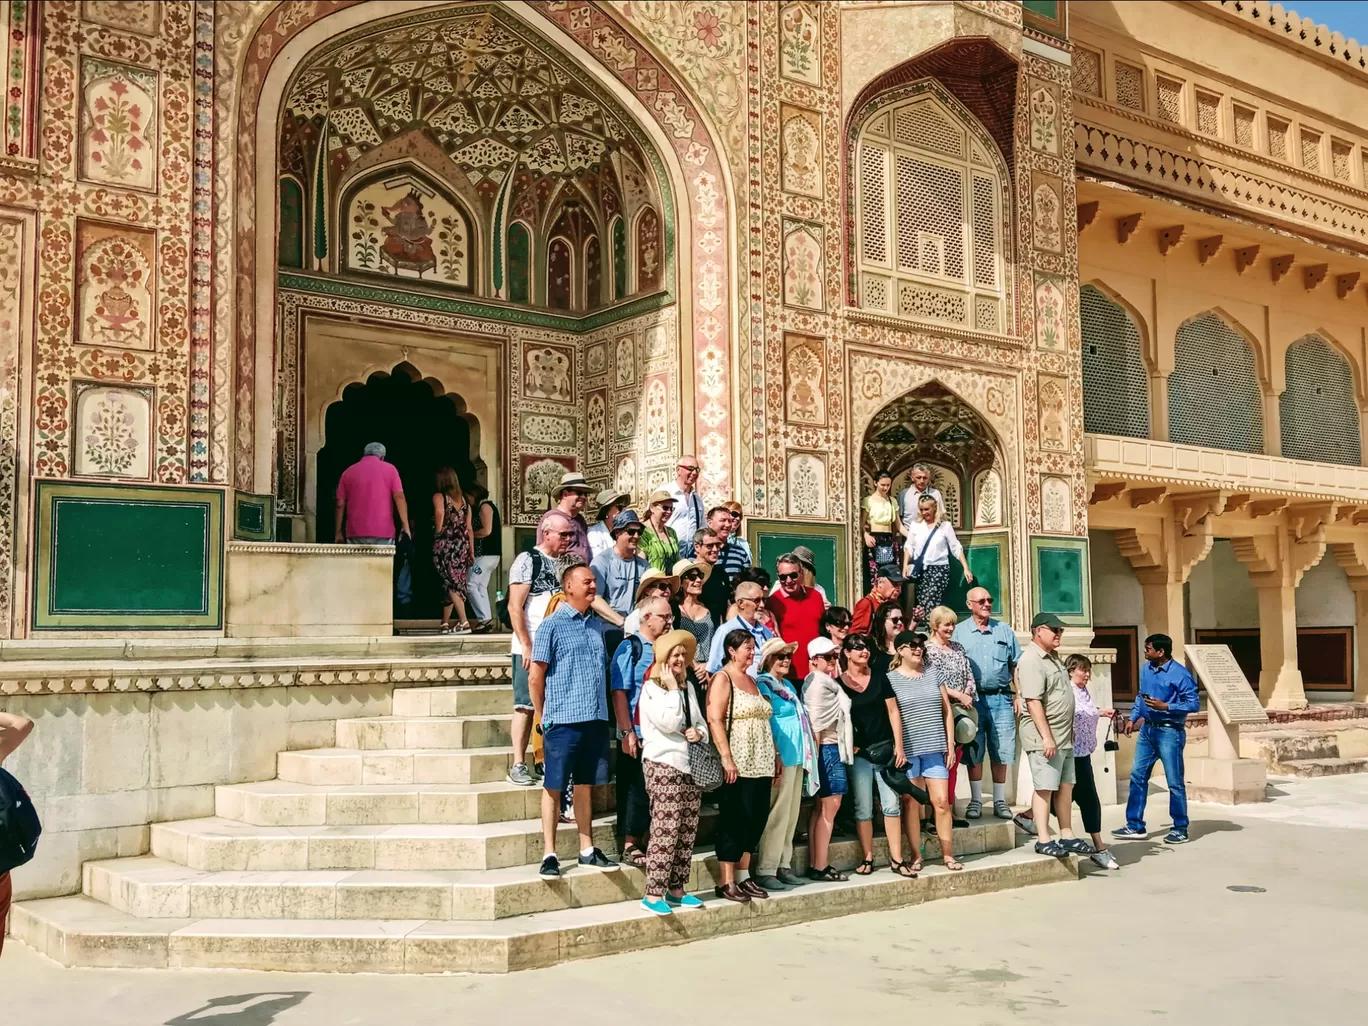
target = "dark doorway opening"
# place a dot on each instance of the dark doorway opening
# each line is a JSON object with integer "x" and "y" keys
{"x": 423, "y": 428}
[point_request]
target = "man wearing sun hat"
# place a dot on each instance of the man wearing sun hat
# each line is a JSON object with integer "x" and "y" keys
{"x": 654, "y": 584}
{"x": 570, "y": 497}
{"x": 610, "y": 502}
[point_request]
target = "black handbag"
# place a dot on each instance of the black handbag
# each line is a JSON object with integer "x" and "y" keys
{"x": 880, "y": 753}
{"x": 915, "y": 571}
{"x": 705, "y": 763}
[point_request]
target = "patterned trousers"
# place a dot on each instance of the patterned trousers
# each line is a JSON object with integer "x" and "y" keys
{"x": 674, "y": 825}
{"x": 931, "y": 587}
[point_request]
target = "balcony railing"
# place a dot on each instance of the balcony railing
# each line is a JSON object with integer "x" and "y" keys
{"x": 1116, "y": 458}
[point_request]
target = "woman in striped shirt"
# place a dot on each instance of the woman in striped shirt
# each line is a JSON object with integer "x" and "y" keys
{"x": 924, "y": 704}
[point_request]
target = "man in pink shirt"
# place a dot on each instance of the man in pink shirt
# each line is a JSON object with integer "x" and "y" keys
{"x": 369, "y": 493}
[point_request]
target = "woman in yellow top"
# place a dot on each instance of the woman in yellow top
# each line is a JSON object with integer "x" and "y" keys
{"x": 883, "y": 530}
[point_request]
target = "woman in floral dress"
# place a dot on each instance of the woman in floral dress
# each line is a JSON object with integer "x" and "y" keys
{"x": 453, "y": 546}
{"x": 951, "y": 664}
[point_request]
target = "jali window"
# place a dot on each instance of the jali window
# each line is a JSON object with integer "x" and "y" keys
{"x": 929, "y": 208}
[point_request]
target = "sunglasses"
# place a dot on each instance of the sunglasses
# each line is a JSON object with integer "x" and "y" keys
{"x": 709, "y": 545}
{"x": 982, "y": 602}
{"x": 894, "y": 618}
{"x": 685, "y": 466}
{"x": 692, "y": 575}
{"x": 857, "y": 646}
{"x": 788, "y": 577}
{"x": 632, "y": 532}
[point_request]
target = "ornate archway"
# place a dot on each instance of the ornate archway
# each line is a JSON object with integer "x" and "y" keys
{"x": 604, "y": 52}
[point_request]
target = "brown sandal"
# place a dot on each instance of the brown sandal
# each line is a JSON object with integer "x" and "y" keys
{"x": 903, "y": 869}
{"x": 951, "y": 863}
{"x": 634, "y": 856}
{"x": 865, "y": 867}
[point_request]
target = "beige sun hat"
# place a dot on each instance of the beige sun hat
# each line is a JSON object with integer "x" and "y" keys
{"x": 654, "y": 576}
{"x": 667, "y": 643}
{"x": 772, "y": 649}
{"x": 685, "y": 565}
{"x": 572, "y": 482}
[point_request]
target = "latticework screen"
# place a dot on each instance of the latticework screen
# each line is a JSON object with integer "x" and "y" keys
{"x": 1115, "y": 386}
{"x": 930, "y": 233}
{"x": 1318, "y": 415}
{"x": 1214, "y": 397}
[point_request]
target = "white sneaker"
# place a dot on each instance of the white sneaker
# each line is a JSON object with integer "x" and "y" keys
{"x": 1104, "y": 859}
{"x": 519, "y": 774}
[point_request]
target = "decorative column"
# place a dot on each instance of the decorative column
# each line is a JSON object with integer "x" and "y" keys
{"x": 1276, "y": 564}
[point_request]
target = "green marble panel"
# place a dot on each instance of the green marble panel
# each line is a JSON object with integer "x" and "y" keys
{"x": 1060, "y": 579}
{"x": 253, "y": 516}
{"x": 989, "y": 560}
{"x": 770, "y": 539}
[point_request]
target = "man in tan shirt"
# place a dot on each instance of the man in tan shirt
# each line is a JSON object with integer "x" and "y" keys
{"x": 1046, "y": 731}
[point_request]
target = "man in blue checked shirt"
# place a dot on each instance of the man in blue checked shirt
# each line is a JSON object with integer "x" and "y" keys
{"x": 1167, "y": 694}
{"x": 566, "y": 685}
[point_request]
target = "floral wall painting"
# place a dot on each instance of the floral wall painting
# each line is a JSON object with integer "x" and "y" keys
{"x": 596, "y": 359}
{"x": 1045, "y": 221}
{"x": 624, "y": 362}
{"x": 807, "y": 488}
{"x": 140, "y": 16}
{"x": 546, "y": 429}
{"x": 558, "y": 286}
{"x": 1056, "y": 505}
{"x": 800, "y": 44}
{"x": 548, "y": 373}
{"x": 804, "y": 380}
{"x": 803, "y": 264}
{"x": 400, "y": 226}
{"x": 624, "y": 422}
{"x": 113, "y": 431}
{"x": 1053, "y": 396}
{"x": 596, "y": 427}
{"x": 118, "y": 125}
{"x": 657, "y": 415}
{"x": 539, "y": 475}
{"x": 519, "y": 263}
{"x": 114, "y": 286}
{"x": 626, "y": 477}
{"x": 801, "y": 148}
{"x": 648, "y": 264}
{"x": 987, "y": 498}
{"x": 1051, "y": 329}
{"x": 1044, "y": 120}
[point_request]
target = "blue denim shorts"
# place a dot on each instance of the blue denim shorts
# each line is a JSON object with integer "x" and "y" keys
{"x": 576, "y": 749}
{"x": 522, "y": 694}
{"x": 997, "y": 731}
{"x": 831, "y": 772}
{"x": 931, "y": 766}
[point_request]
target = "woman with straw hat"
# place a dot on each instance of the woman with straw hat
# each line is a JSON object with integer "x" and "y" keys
{"x": 670, "y": 720}
{"x": 659, "y": 543}
{"x": 797, "y": 750}
{"x": 691, "y": 614}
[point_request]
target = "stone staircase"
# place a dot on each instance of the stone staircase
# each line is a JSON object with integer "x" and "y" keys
{"x": 1311, "y": 749}
{"x": 403, "y": 850}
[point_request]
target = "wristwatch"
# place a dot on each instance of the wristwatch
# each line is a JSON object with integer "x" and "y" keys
{"x": 622, "y": 733}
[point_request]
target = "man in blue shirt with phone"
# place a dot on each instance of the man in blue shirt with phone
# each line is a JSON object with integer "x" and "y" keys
{"x": 1167, "y": 695}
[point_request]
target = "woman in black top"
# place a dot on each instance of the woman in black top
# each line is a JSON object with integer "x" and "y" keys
{"x": 877, "y": 726}
{"x": 488, "y": 555}
{"x": 886, "y": 624}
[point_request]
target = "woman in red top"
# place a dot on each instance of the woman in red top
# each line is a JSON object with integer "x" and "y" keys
{"x": 797, "y": 612}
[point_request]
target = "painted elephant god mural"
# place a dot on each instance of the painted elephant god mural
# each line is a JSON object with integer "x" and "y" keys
{"x": 408, "y": 236}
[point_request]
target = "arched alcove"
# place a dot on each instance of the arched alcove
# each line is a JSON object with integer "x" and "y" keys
{"x": 1115, "y": 385}
{"x": 1214, "y": 395}
{"x": 423, "y": 428}
{"x": 1318, "y": 413}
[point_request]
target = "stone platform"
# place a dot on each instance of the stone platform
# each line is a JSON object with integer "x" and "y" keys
{"x": 399, "y": 847}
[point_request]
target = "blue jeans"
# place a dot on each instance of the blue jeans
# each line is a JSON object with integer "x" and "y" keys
{"x": 997, "y": 730}
{"x": 1158, "y": 743}
{"x": 864, "y": 778}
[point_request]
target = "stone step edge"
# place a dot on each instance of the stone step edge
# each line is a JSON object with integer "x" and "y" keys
{"x": 79, "y": 931}
{"x": 845, "y": 855}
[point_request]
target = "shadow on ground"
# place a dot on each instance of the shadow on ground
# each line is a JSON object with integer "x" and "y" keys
{"x": 241, "y": 1009}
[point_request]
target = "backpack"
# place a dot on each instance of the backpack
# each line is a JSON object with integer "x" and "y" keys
{"x": 501, "y": 607}
{"x": 19, "y": 826}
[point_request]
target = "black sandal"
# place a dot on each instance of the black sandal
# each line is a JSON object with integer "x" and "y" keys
{"x": 903, "y": 869}
{"x": 828, "y": 875}
{"x": 634, "y": 856}
{"x": 865, "y": 867}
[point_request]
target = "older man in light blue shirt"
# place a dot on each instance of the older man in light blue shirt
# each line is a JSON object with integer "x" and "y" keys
{"x": 748, "y": 597}
{"x": 993, "y": 653}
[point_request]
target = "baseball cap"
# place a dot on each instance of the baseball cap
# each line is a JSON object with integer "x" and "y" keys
{"x": 1047, "y": 620}
{"x": 820, "y": 646}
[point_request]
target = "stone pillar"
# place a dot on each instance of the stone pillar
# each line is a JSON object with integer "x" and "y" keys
{"x": 1276, "y": 563}
{"x": 1159, "y": 419}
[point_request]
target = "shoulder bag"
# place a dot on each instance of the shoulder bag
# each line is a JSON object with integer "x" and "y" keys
{"x": 916, "y": 571}
{"x": 705, "y": 763}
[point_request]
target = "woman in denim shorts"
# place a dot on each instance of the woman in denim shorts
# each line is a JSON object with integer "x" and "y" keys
{"x": 927, "y": 726}
{"x": 828, "y": 711}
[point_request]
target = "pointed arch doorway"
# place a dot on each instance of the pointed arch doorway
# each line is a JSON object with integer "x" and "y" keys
{"x": 932, "y": 425}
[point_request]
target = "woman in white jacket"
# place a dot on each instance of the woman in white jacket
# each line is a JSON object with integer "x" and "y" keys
{"x": 828, "y": 709}
{"x": 670, "y": 720}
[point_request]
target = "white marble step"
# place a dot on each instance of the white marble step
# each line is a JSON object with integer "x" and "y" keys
{"x": 377, "y": 733}
{"x": 286, "y": 803}
{"x": 221, "y": 845}
{"x": 153, "y": 888}
{"x": 395, "y": 766}
{"x": 474, "y": 700}
{"x": 80, "y": 931}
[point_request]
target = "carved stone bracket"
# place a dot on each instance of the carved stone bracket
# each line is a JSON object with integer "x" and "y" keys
{"x": 1197, "y": 507}
{"x": 1267, "y": 507}
{"x": 1306, "y": 518}
{"x": 1145, "y": 553}
{"x": 1353, "y": 560}
{"x": 1193, "y": 547}
{"x": 1345, "y": 283}
{"x": 1245, "y": 257}
{"x": 1209, "y": 247}
{"x": 1086, "y": 213}
{"x": 1238, "y": 500}
{"x": 1170, "y": 237}
{"x": 1259, "y": 553}
{"x": 1143, "y": 496}
{"x": 1313, "y": 275}
{"x": 1303, "y": 554}
{"x": 1104, "y": 490}
{"x": 1280, "y": 265}
{"x": 1125, "y": 227}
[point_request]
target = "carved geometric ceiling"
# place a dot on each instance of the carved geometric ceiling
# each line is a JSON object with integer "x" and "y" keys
{"x": 928, "y": 423}
{"x": 479, "y": 87}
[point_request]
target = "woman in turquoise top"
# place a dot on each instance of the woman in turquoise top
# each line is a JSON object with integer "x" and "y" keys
{"x": 797, "y": 750}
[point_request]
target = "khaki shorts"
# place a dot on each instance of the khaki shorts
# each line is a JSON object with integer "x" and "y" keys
{"x": 1048, "y": 774}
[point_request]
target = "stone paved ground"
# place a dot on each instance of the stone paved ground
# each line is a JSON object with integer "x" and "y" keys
{"x": 1164, "y": 940}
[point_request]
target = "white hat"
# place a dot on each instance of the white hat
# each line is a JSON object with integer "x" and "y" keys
{"x": 819, "y": 647}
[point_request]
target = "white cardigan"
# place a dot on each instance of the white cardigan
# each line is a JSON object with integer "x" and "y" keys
{"x": 662, "y": 724}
